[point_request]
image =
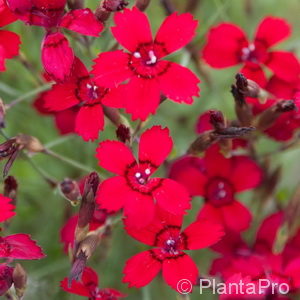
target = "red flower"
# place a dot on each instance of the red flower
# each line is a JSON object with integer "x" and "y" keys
{"x": 19, "y": 246}
{"x": 6, "y": 279}
{"x": 166, "y": 235}
{"x": 148, "y": 74}
{"x": 6, "y": 208}
{"x": 219, "y": 179}
{"x": 82, "y": 94}
{"x": 133, "y": 189}
{"x": 9, "y": 41}
{"x": 57, "y": 56}
{"x": 88, "y": 287}
{"x": 236, "y": 49}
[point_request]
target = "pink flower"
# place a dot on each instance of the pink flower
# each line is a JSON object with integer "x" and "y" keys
{"x": 148, "y": 74}
{"x": 133, "y": 188}
{"x": 227, "y": 45}
{"x": 218, "y": 180}
{"x": 168, "y": 238}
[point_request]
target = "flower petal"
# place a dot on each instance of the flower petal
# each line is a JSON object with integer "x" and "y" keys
{"x": 6, "y": 16}
{"x": 139, "y": 209}
{"x": 57, "y": 56}
{"x": 246, "y": 174}
{"x": 172, "y": 197}
{"x": 272, "y": 30}
{"x": 132, "y": 28}
{"x": 111, "y": 193}
{"x": 176, "y": 31}
{"x": 114, "y": 156}
{"x": 285, "y": 65}
{"x": 141, "y": 269}
{"x": 202, "y": 233}
{"x": 228, "y": 37}
{"x": 237, "y": 217}
{"x": 61, "y": 97}
{"x": 89, "y": 121}
{"x": 150, "y": 150}
{"x": 111, "y": 68}
{"x": 9, "y": 46}
{"x": 23, "y": 247}
{"x": 7, "y": 208}
{"x": 179, "y": 84}
{"x": 254, "y": 72}
{"x": 178, "y": 268}
{"x": 82, "y": 21}
{"x": 65, "y": 120}
{"x": 141, "y": 97}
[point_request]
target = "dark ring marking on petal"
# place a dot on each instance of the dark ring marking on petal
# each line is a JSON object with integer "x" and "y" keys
{"x": 55, "y": 44}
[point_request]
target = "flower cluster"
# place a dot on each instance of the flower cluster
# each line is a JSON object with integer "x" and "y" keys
{"x": 205, "y": 193}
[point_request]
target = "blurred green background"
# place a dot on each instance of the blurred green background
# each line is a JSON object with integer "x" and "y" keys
{"x": 40, "y": 209}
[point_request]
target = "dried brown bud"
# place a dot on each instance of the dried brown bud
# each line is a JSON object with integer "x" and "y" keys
{"x": 123, "y": 133}
{"x": 20, "y": 280}
{"x": 10, "y": 188}
{"x": 9, "y": 149}
{"x": 114, "y": 5}
{"x": 77, "y": 268}
{"x": 30, "y": 143}
{"x": 2, "y": 114}
{"x": 202, "y": 142}
{"x": 270, "y": 115}
{"x": 106, "y": 7}
{"x": 70, "y": 190}
{"x": 234, "y": 132}
{"x": 217, "y": 120}
{"x": 87, "y": 207}
{"x": 247, "y": 87}
{"x": 142, "y": 4}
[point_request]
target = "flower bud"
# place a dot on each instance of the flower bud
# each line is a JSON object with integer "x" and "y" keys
{"x": 20, "y": 280}
{"x": 30, "y": 143}
{"x": 217, "y": 120}
{"x": 2, "y": 114}
{"x": 70, "y": 190}
{"x": 5, "y": 278}
{"x": 123, "y": 133}
{"x": 10, "y": 188}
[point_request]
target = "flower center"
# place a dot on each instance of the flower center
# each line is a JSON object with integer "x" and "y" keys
{"x": 88, "y": 93}
{"x": 254, "y": 53}
{"x": 138, "y": 177}
{"x": 145, "y": 61}
{"x": 219, "y": 191}
{"x": 171, "y": 247}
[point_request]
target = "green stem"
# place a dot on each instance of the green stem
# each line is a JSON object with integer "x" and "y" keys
{"x": 28, "y": 95}
{"x": 68, "y": 161}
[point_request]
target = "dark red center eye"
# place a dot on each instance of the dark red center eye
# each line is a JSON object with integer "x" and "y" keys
{"x": 254, "y": 53}
{"x": 219, "y": 191}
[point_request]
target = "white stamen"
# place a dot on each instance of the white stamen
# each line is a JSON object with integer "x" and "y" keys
{"x": 88, "y": 86}
{"x": 137, "y": 54}
{"x": 147, "y": 171}
{"x": 221, "y": 185}
{"x": 251, "y": 47}
{"x": 222, "y": 194}
{"x": 138, "y": 175}
{"x": 153, "y": 58}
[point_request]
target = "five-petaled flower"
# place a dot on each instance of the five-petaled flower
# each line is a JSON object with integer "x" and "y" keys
{"x": 19, "y": 246}
{"x": 57, "y": 56}
{"x": 82, "y": 93}
{"x": 9, "y": 41}
{"x": 88, "y": 287}
{"x": 134, "y": 189}
{"x": 166, "y": 235}
{"x": 148, "y": 74}
{"x": 219, "y": 179}
{"x": 227, "y": 45}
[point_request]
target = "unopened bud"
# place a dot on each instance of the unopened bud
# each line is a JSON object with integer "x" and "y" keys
{"x": 142, "y": 4}
{"x": 217, "y": 120}
{"x": 20, "y": 280}
{"x": 5, "y": 278}
{"x": 77, "y": 268}
{"x": 10, "y": 150}
{"x": 70, "y": 190}
{"x": 202, "y": 142}
{"x": 106, "y": 7}
{"x": 247, "y": 87}
{"x": 123, "y": 133}
{"x": 10, "y": 188}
